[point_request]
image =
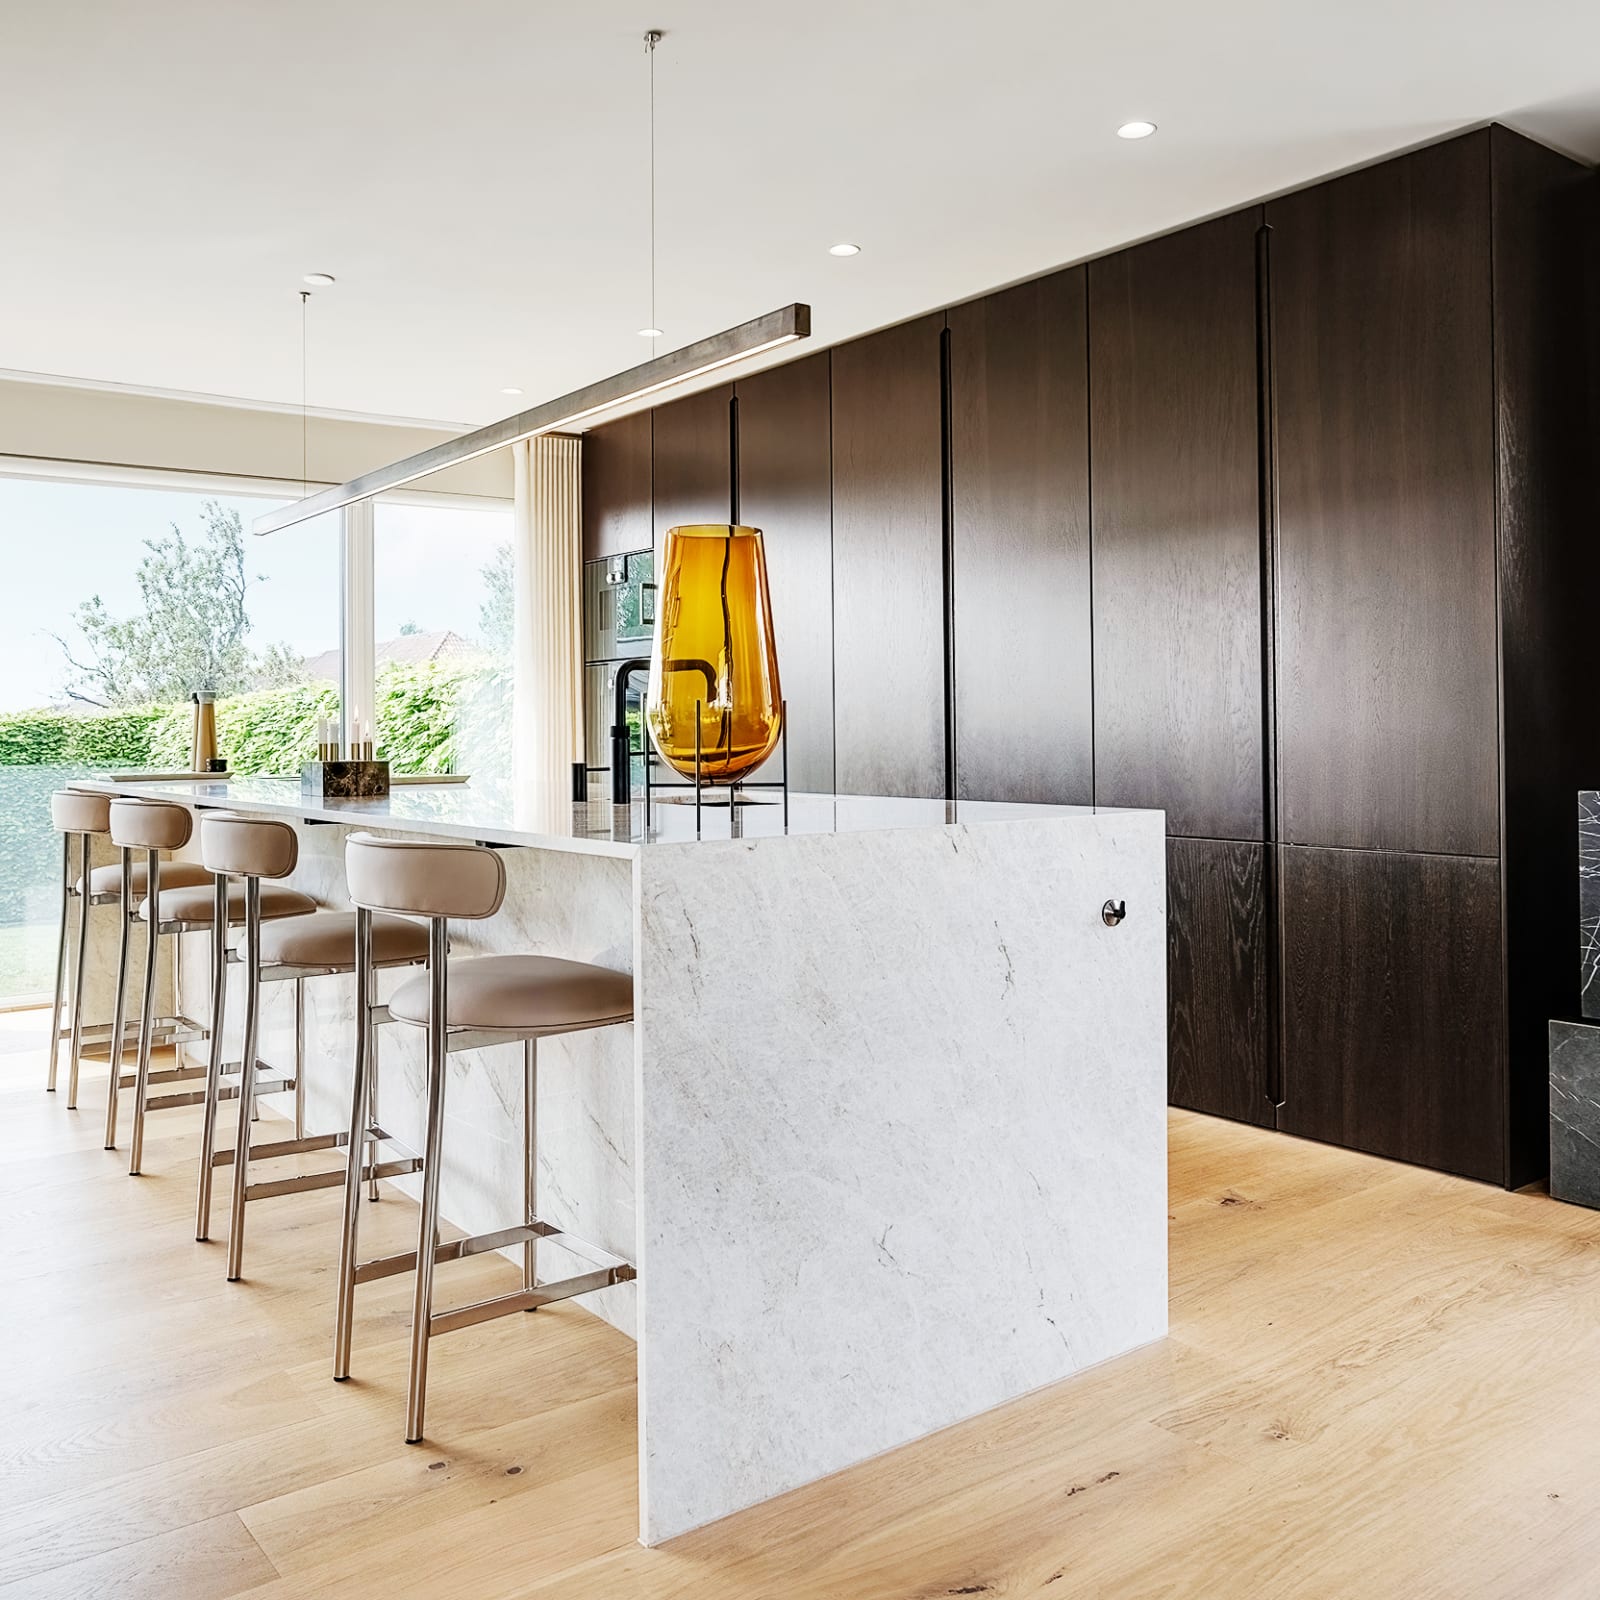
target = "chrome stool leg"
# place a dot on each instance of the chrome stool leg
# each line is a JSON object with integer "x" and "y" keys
{"x": 80, "y": 963}
{"x": 530, "y": 1170}
{"x": 119, "y": 1012}
{"x": 299, "y": 1058}
{"x": 428, "y": 1226}
{"x": 247, "y": 1072}
{"x": 355, "y": 1149}
{"x": 61, "y": 960}
{"x": 219, "y": 995}
{"x": 147, "y": 1012}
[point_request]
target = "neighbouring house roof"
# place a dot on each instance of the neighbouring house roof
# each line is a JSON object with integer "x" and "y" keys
{"x": 408, "y": 649}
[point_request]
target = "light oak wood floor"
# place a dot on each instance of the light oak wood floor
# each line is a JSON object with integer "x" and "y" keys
{"x": 1380, "y": 1382}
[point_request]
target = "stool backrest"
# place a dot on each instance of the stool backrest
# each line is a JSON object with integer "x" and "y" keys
{"x": 424, "y": 878}
{"x": 248, "y": 847}
{"x": 150, "y": 824}
{"x": 78, "y": 811}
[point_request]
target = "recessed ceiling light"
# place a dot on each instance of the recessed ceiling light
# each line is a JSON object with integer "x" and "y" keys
{"x": 1136, "y": 130}
{"x": 649, "y": 333}
{"x": 320, "y": 279}
{"x": 844, "y": 249}
{"x": 512, "y": 390}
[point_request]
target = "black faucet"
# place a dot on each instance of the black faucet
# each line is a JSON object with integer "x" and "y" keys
{"x": 622, "y": 738}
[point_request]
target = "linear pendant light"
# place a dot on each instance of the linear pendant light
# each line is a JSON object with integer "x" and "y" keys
{"x": 661, "y": 372}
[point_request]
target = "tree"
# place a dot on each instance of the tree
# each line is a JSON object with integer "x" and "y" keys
{"x": 190, "y": 632}
{"x": 497, "y": 614}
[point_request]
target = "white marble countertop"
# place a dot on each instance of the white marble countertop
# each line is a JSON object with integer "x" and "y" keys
{"x": 492, "y": 814}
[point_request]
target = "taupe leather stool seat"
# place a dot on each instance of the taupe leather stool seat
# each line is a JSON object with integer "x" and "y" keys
{"x": 174, "y": 875}
{"x": 329, "y": 940}
{"x": 196, "y": 905}
{"x": 532, "y": 994}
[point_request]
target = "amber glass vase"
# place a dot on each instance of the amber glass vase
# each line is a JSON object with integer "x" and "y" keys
{"x": 713, "y": 656}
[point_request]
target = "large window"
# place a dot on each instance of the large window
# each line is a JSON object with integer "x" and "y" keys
{"x": 120, "y": 602}
{"x": 442, "y": 630}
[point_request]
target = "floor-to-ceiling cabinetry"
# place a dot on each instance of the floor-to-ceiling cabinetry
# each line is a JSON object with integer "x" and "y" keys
{"x": 1280, "y": 523}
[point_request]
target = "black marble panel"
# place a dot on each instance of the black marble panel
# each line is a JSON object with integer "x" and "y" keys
{"x": 1589, "y": 898}
{"x": 1575, "y": 1112}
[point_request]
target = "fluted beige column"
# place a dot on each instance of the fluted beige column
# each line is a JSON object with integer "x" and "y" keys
{"x": 547, "y": 701}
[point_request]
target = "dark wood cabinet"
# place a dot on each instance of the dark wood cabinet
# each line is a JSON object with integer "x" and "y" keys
{"x": 1393, "y": 1006}
{"x": 784, "y": 475}
{"x": 694, "y": 460}
{"x": 1177, "y": 529}
{"x": 888, "y": 562}
{"x": 1545, "y": 259}
{"x": 1385, "y": 439}
{"x": 1218, "y": 1017}
{"x": 1019, "y": 475}
{"x": 1283, "y": 524}
{"x": 616, "y": 487}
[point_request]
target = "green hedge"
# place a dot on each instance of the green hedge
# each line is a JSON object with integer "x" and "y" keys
{"x": 421, "y": 710}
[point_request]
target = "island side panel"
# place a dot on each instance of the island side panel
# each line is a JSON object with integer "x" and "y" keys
{"x": 557, "y": 903}
{"x": 902, "y": 1140}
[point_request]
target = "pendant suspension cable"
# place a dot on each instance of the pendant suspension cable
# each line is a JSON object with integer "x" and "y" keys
{"x": 305, "y": 454}
{"x": 651, "y": 40}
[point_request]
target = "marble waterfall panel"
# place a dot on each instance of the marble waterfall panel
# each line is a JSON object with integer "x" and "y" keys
{"x": 902, "y": 1139}
{"x": 578, "y": 906}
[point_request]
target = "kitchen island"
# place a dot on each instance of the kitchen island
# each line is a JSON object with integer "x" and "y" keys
{"x": 886, "y": 1139}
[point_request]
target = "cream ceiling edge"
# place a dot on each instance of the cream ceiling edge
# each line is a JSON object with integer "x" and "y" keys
{"x": 109, "y": 428}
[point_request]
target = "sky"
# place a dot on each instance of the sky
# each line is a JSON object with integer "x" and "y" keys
{"x": 64, "y": 542}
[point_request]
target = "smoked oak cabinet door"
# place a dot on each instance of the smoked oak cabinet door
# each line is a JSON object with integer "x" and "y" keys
{"x": 1384, "y": 387}
{"x": 694, "y": 460}
{"x": 616, "y": 487}
{"x": 1019, "y": 474}
{"x": 1218, "y": 1022}
{"x": 1393, "y": 1008}
{"x": 785, "y": 488}
{"x": 1175, "y": 468}
{"x": 888, "y": 562}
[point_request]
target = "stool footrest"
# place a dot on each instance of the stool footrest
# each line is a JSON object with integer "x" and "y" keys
{"x": 527, "y": 1299}
{"x": 500, "y": 1239}
{"x": 130, "y": 1080}
{"x": 332, "y": 1179}
{"x": 285, "y": 1147}
{"x": 453, "y": 1250}
{"x": 226, "y": 1091}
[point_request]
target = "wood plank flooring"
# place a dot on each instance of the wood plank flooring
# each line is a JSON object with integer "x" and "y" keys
{"x": 1380, "y": 1382}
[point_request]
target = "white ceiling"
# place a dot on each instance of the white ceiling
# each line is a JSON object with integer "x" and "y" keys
{"x": 474, "y": 171}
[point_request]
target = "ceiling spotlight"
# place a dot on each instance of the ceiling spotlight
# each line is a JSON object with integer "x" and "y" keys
{"x": 1136, "y": 130}
{"x": 320, "y": 279}
{"x": 512, "y": 390}
{"x": 649, "y": 333}
{"x": 844, "y": 249}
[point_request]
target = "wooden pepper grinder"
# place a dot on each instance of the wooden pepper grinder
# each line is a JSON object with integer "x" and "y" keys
{"x": 203, "y": 745}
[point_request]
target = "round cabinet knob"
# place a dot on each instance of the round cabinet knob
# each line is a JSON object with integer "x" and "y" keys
{"x": 1113, "y": 911}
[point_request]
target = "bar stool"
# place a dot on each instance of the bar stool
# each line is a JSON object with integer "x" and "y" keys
{"x": 287, "y": 951}
{"x": 153, "y": 826}
{"x": 85, "y": 815}
{"x": 463, "y": 1005}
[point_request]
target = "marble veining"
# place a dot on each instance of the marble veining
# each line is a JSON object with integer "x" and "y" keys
{"x": 1589, "y": 899}
{"x": 1575, "y": 1112}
